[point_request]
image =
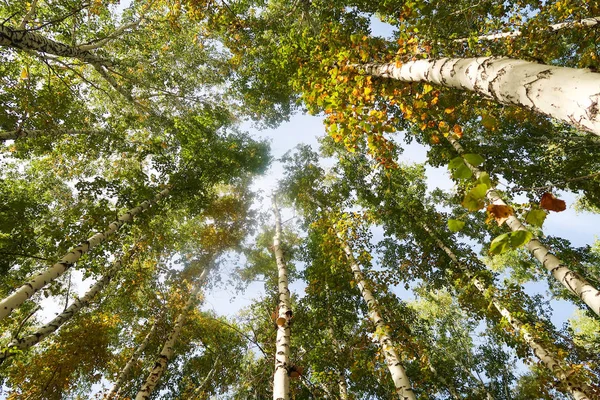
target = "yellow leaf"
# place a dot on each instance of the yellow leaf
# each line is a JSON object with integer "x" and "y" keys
{"x": 24, "y": 74}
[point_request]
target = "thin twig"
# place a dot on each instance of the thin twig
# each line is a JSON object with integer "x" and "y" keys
{"x": 15, "y": 335}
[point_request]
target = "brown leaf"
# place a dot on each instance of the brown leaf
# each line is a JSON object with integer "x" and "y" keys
{"x": 500, "y": 212}
{"x": 551, "y": 203}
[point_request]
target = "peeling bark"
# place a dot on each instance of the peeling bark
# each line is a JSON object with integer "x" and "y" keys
{"x": 8, "y": 304}
{"x": 27, "y": 40}
{"x": 567, "y": 94}
{"x": 571, "y": 280}
{"x": 168, "y": 348}
{"x": 558, "y": 368}
{"x": 281, "y": 379}
{"x": 586, "y": 22}
{"x": 388, "y": 348}
{"x": 59, "y": 320}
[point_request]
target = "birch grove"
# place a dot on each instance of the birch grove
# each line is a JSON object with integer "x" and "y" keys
{"x": 567, "y": 94}
{"x": 8, "y": 304}
{"x": 102, "y": 101}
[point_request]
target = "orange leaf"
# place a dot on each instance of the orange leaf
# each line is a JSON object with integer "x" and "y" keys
{"x": 457, "y": 130}
{"x": 500, "y": 212}
{"x": 551, "y": 203}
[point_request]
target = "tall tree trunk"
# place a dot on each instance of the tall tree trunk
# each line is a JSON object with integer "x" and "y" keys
{"x": 132, "y": 360}
{"x": 206, "y": 379}
{"x": 28, "y": 40}
{"x": 59, "y": 320}
{"x": 401, "y": 381}
{"x": 47, "y": 276}
{"x": 586, "y": 22}
{"x": 281, "y": 379}
{"x": 169, "y": 347}
{"x": 343, "y": 386}
{"x": 568, "y": 278}
{"x": 25, "y": 133}
{"x": 558, "y": 368}
{"x": 568, "y": 94}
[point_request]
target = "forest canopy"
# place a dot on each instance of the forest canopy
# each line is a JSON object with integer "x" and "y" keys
{"x": 128, "y": 194}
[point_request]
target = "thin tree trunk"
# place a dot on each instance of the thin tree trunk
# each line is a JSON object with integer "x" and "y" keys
{"x": 28, "y": 40}
{"x": 132, "y": 360}
{"x": 448, "y": 386}
{"x": 25, "y": 133}
{"x": 560, "y": 371}
{"x": 343, "y": 386}
{"x": 8, "y": 304}
{"x": 206, "y": 379}
{"x": 586, "y": 22}
{"x": 571, "y": 280}
{"x": 59, "y": 320}
{"x": 169, "y": 347}
{"x": 281, "y": 379}
{"x": 399, "y": 377}
{"x": 567, "y": 94}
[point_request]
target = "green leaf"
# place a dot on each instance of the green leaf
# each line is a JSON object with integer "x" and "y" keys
{"x": 489, "y": 122}
{"x": 473, "y": 200}
{"x": 500, "y": 244}
{"x": 520, "y": 238}
{"x": 455, "y": 225}
{"x": 536, "y": 217}
{"x": 462, "y": 172}
{"x": 459, "y": 168}
{"x": 456, "y": 163}
{"x": 473, "y": 159}
{"x": 484, "y": 178}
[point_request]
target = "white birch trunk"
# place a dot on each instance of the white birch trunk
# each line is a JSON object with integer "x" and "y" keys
{"x": 206, "y": 379}
{"x": 567, "y": 94}
{"x": 47, "y": 276}
{"x": 586, "y": 22}
{"x": 29, "y": 40}
{"x": 392, "y": 359}
{"x": 571, "y": 280}
{"x": 343, "y": 386}
{"x": 281, "y": 379}
{"x": 132, "y": 360}
{"x": 558, "y": 368}
{"x": 169, "y": 347}
{"x": 27, "y": 133}
{"x": 59, "y": 320}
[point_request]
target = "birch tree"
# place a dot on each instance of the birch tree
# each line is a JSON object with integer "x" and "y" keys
{"x": 78, "y": 303}
{"x": 8, "y": 304}
{"x": 401, "y": 382}
{"x": 168, "y": 348}
{"x": 568, "y": 278}
{"x": 508, "y": 81}
{"x": 281, "y": 383}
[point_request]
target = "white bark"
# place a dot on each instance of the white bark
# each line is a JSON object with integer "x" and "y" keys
{"x": 132, "y": 360}
{"x": 169, "y": 347}
{"x": 28, "y": 40}
{"x": 568, "y": 94}
{"x": 25, "y": 133}
{"x": 399, "y": 377}
{"x": 586, "y": 22}
{"x": 59, "y": 320}
{"x": 568, "y": 278}
{"x": 281, "y": 379}
{"x": 549, "y": 360}
{"x": 67, "y": 261}
{"x": 343, "y": 386}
